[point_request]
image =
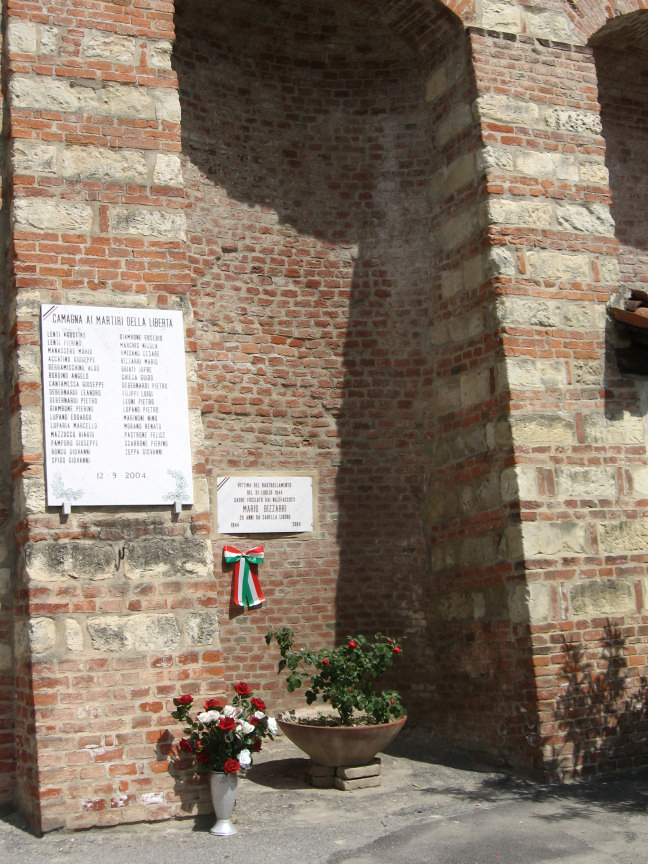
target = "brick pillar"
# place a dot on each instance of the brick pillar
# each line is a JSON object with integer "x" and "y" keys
{"x": 112, "y": 612}
{"x": 578, "y": 438}
{"x": 7, "y": 549}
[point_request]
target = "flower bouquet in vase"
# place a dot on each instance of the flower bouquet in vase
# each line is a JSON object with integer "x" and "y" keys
{"x": 222, "y": 739}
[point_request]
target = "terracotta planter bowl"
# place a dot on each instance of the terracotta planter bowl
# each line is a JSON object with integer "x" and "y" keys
{"x": 338, "y": 745}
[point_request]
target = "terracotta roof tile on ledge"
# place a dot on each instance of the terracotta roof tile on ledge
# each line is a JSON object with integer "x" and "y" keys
{"x": 635, "y": 313}
{"x": 633, "y": 318}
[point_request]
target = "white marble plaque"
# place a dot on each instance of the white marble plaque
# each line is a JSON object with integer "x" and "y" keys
{"x": 268, "y": 505}
{"x": 115, "y": 406}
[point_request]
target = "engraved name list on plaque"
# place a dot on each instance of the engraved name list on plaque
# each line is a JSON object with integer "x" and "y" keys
{"x": 115, "y": 407}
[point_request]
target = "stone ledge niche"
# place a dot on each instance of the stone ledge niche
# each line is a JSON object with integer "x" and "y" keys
{"x": 628, "y": 309}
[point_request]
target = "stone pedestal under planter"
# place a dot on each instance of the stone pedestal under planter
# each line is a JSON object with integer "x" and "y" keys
{"x": 346, "y": 777}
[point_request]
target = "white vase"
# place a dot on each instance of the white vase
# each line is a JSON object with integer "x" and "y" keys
{"x": 223, "y": 795}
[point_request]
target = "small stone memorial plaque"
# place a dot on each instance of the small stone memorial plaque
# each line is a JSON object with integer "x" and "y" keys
{"x": 269, "y": 505}
{"x": 115, "y": 406}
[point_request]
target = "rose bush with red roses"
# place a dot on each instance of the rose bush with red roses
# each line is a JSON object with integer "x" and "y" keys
{"x": 345, "y": 676}
{"x": 224, "y": 737}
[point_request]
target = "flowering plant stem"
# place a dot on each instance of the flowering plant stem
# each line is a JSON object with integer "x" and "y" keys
{"x": 345, "y": 676}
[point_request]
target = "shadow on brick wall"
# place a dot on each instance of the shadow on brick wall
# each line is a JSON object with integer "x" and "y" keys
{"x": 602, "y": 714}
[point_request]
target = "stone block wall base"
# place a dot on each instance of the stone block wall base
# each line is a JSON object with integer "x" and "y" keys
{"x": 345, "y": 777}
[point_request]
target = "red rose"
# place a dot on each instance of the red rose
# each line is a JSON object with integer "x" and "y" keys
{"x": 242, "y": 688}
{"x": 213, "y": 705}
{"x": 257, "y": 703}
{"x": 202, "y": 757}
{"x": 254, "y": 721}
{"x": 353, "y": 644}
{"x": 227, "y": 724}
{"x": 231, "y": 766}
{"x": 256, "y": 747}
{"x": 325, "y": 661}
{"x": 397, "y": 649}
{"x": 185, "y": 700}
{"x": 185, "y": 746}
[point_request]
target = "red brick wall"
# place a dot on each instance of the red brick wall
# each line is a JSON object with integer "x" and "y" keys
{"x": 589, "y": 656}
{"x": 412, "y": 447}
{"x": 468, "y": 638}
{"x": 624, "y": 115}
{"x": 92, "y": 723}
{"x": 307, "y": 173}
{"x": 382, "y": 292}
{"x": 7, "y": 557}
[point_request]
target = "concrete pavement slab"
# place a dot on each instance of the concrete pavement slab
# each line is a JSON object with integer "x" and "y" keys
{"x": 434, "y": 806}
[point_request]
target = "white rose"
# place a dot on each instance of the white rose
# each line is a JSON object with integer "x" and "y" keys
{"x": 247, "y": 728}
{"x": 259, "y": 715}
{"x": 208, "y": 717}
{"x": 272, "y": 726}
{"x": 245, "y": 758}
{"x": 230, "y": 711}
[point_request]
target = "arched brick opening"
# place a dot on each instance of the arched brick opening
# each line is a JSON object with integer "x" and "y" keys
{"x": 333, "y": 187}
{"x": 590, "y": 15}
{"x": 621, "y": 56}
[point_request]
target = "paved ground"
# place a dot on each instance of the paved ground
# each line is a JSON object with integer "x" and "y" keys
{"x": 432, "y": 807}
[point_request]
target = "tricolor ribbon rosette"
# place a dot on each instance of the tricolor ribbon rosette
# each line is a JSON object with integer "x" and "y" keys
{"x": 247, "y": 588}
